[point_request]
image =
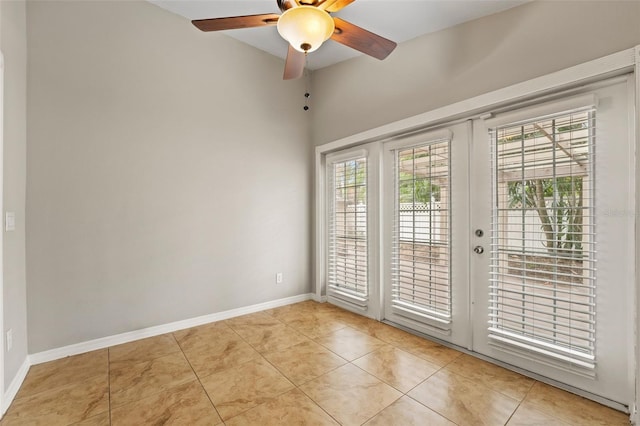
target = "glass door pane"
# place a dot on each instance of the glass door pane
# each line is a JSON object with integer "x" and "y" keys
{"x": 420, "y": 267}
{"x": 542, "y": 281}
{"x": 348, "y": 228}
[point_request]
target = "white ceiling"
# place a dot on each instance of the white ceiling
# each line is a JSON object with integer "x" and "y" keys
{"x": 398, "y": 20}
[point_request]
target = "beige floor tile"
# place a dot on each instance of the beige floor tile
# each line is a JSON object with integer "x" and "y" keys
{"x": 304, "y": 361}
{"x": 267, "y": 338}
{"x": 259, "y": 319}
{"x": 187, "y": 404}
{"x": 314, "y": 326}
{"x": 103, "y": 419}
{"x": 492, "y": 376}
{"x": 381, "y": 331}
{"x": 349, "y": 343}
{"x": 291, "y": 408}
{"x": 142, "y": 350}
{"x": 350, "y": 395}
{"x": 240, "y": 389}
{"x": 62, "y": 406}
{"x": 396, "y": 367}
{"x": 464, "y": 401}
{"x": 293, "y": 312}
{"x": 137, "y": 381}
{"x": 219, "y": 355}
{"x": 426, "y": 349}
{"x": 352, "y": 320}
{"x": 326, "y": 311}
{"x": 408, "y": 412}
{"x": 192, "y": 338}
{"x": 51, "y": 375}
{"x": 328, "y": 308}
{"x": 571, "y": 408}
{"x": 316, "y": 306}
{"x": 528, "y": 416}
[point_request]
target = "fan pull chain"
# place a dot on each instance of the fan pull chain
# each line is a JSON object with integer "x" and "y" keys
{"x": 306, "y": 75}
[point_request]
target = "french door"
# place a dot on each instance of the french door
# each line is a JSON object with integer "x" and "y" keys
{"x": 510, "y": 235}
{"x": 426, "y": 207}
{"x": 553, "y": 189}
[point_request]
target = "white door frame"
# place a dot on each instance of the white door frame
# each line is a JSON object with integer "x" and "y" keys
{"x": 635, "y": 414}
{"x": 614, "y": 64}
{"x": 2, "y": 345}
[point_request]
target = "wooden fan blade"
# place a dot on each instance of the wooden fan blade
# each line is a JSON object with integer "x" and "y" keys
{"x": 287, "y": 4}
{"x": 328, "y": 5}
{"x": 294, "y": 66}
{"x": 334, "y": 5}
{"x": 362, "y": 40}
{"x": 235, "y": 22}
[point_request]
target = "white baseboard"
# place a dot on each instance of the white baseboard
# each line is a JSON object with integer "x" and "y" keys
{"x": 118, "y": 339}
{"x": 15, "y": 384}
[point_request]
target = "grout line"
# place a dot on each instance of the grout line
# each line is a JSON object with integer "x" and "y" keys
{"x": 514, "y": 412}
{"x": 384, "y": 408}
{"x": 522, "y": 400}
{"x": 431, "y": 409}
{"x": 198, "y": 379}
{"x": 378, "y": 378}
{"x": 533, "y": 382}
{"x": 314, "y": 401}
{"x": 440, "y": 368}
{"x": 109, "y": 381}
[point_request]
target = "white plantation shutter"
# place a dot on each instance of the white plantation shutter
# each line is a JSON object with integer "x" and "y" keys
{"x": 420, "y": 265}
{"x": 348, "y": 236}
{"x": 543, "y": 252}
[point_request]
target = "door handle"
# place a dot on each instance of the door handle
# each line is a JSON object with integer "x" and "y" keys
{"x": 478, "y": 249}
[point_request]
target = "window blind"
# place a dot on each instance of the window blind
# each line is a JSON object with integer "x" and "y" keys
{"x": 348, "y": 242}
{"x": 420, "y": 275}
{"x": 543, "y": 253}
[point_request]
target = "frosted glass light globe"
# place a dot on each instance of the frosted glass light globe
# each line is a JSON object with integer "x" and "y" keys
{"x": 305, "y": 27}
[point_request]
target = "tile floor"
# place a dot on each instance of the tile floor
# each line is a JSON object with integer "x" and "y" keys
{"x": 306, "y": 363}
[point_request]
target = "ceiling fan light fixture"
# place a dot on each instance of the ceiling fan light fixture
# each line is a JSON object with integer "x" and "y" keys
{"x": 305, "y": 27}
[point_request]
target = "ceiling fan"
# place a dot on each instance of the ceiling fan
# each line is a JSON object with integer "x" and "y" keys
{"x": 306, "y": 24}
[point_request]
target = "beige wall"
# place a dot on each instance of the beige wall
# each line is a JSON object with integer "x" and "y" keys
{"x": 169, "y": 172}
{"x": 467, "y": 60}
{"x": 13, "y": 43}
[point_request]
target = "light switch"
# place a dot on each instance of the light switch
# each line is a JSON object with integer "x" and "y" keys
{"x": 10, "y": 221}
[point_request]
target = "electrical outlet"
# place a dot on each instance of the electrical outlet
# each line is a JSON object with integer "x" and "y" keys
{"x": 10, "y": 221}
{"x": 9, "y": 339}
{"x": 279, "y": 278}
